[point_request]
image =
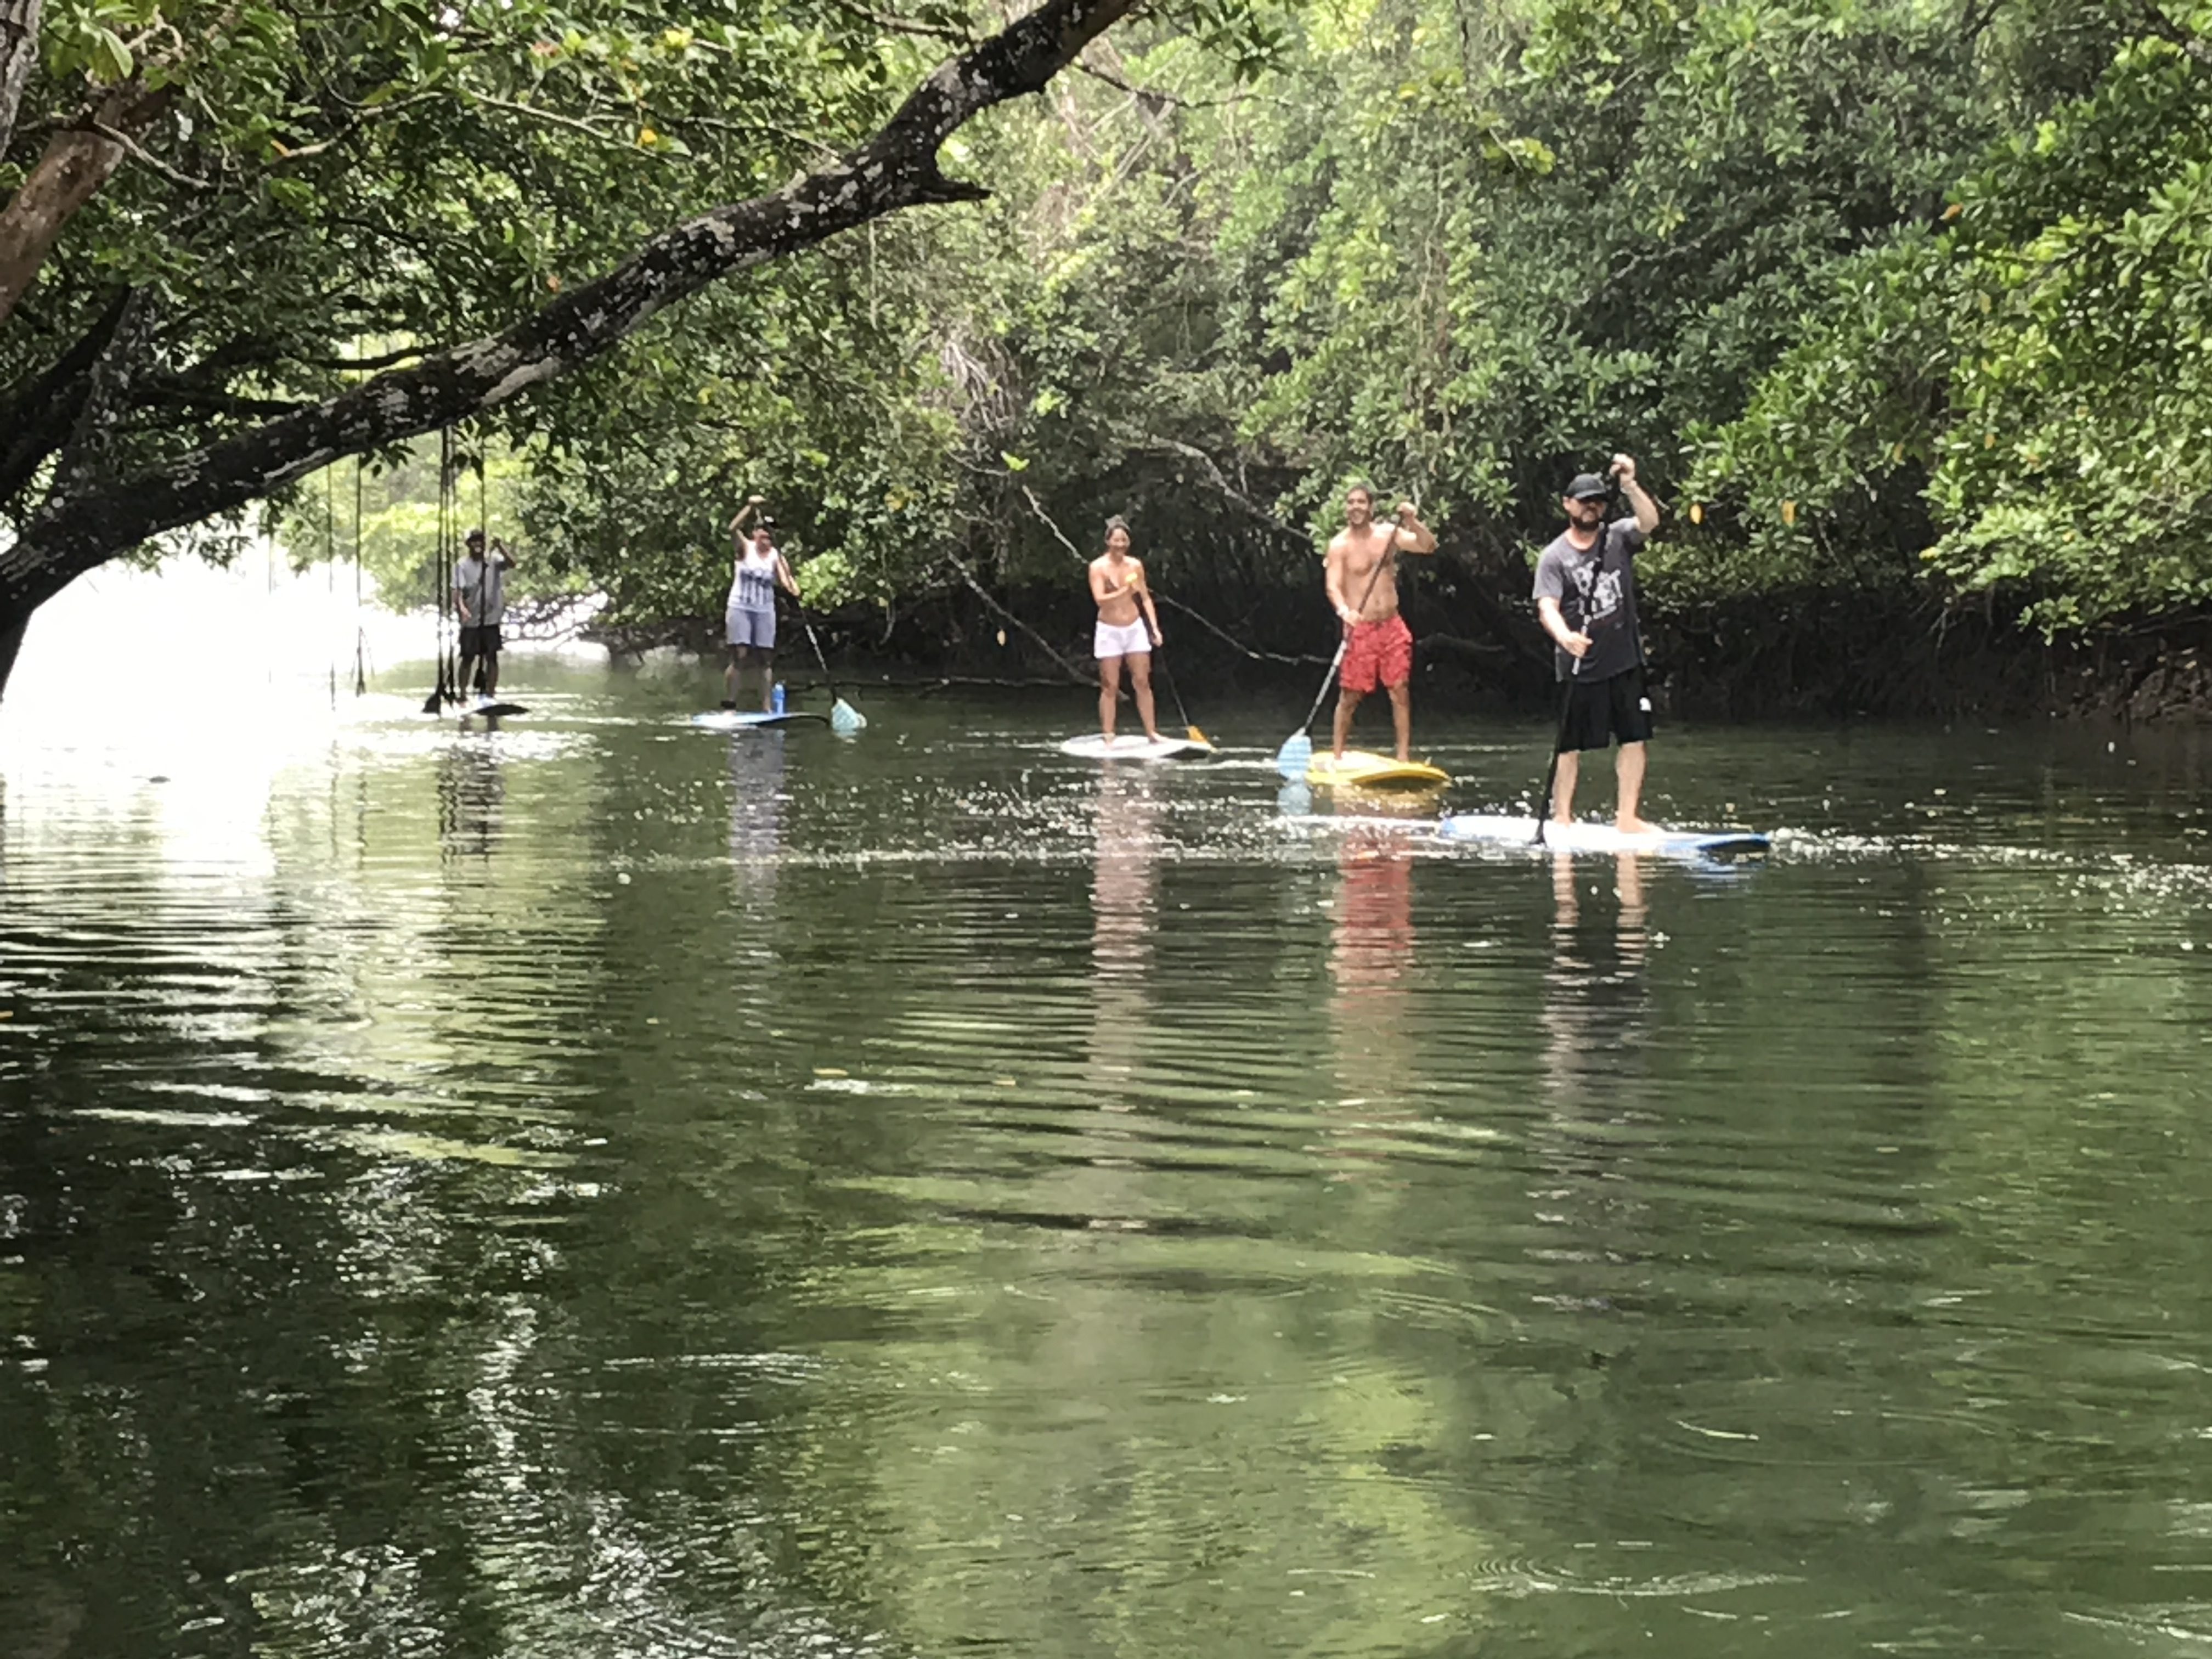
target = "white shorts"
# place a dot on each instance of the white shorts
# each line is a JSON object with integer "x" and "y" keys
{"x": 1122, "y": 640}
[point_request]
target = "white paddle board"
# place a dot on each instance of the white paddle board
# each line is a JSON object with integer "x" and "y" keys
{"x": 744, "y": 719}
{"x": 1093, "y": 746}
{"x": 1580, "y": 837}
{"x": 1360, "y": 770}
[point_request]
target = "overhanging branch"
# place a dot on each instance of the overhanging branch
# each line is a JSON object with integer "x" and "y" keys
{"x": 898, "y": 169}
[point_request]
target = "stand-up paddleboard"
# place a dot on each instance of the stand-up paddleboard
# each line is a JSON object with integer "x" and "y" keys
{"x": 1359, "y": 769}
{"x": 1579, "y": 837}
{"x": 1093, "y": 746}
{"x": 745, "y": 719}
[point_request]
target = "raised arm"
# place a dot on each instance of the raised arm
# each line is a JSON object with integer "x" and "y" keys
{"x": 1413, "y": 536}
{"x": 507, "y": 559}
{"x": 753, "y": 503}
{"x": 783, "y": 575}
{"x": 1646, "y": 509}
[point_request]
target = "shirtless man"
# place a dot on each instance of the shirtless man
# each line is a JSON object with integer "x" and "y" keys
{"x": 1117, "y": 587}
{"x": 1363, "y": 587}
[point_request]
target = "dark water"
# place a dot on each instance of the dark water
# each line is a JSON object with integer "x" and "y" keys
{"x": 610, "y": 1189}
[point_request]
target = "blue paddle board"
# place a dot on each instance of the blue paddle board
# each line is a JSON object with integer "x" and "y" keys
{"x": 1579, "y": 837}
{"x": 745, "y": 719}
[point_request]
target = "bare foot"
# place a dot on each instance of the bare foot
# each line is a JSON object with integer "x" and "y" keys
{"x": 1151, "y": 737}
{"x": 1632, "y": 826}
{"x": 1561, "y": 820}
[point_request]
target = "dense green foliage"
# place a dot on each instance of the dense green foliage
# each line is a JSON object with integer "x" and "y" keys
{"x": 1900, "y": 299}
{"x": 1903, "y": 299}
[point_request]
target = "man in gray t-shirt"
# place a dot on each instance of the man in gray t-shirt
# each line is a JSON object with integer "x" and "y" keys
{"x": 480, "y": 595}
{"x": 1586, "y": 599}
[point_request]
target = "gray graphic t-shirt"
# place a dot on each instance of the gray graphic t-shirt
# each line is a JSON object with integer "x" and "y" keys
{"x": 1596, "y": 591}
{"x": 482, "y": 584}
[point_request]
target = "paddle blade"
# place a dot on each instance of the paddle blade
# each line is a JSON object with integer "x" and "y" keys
{"x": 1197, "y": 736}
{"x": 1294, "y": 755}
{"x": 845, "y": 719}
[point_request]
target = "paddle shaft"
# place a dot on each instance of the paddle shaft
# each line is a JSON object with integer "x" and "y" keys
{"x": 807, "y": 623}
{"x": 1175, "y": 691}
{"x": 1558, "y": 742}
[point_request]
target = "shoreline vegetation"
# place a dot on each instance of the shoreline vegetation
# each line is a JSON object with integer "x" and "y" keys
{"x": 1834, "y": 658}
{"x": 1905, "y": 309}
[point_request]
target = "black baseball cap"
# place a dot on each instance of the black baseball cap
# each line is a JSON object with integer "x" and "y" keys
{"x": 473, "y": 536}
{"x": 1588, "y": 487}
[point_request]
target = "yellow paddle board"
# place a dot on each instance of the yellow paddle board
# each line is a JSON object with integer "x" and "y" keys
{"x": 1359, "y": 769}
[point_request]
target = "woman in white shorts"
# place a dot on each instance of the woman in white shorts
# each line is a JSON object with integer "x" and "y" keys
{"x": 749, "y": 620}
{"x": 1128, "y": 629}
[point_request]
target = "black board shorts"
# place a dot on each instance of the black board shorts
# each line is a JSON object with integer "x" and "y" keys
{"x": 481, "y": 641}
{"x": 1601, "y": 712}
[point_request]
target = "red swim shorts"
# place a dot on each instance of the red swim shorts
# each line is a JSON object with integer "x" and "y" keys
{"x": 1381, "y": 652}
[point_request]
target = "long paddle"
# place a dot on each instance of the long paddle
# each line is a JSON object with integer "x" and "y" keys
{"x": 1297, "y": 752}
{"x": 1566, "y": 706}
{"x": 844, "y": 719}
{"x": 1188, "y": 730}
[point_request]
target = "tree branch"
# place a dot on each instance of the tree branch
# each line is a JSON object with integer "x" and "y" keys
{"x": 77, "y": 529}
{"x": 38, "y": 418}
{"x": 984, "y": 594}
{"x": 145, "y": 158}
{"x": 554, "y": 118}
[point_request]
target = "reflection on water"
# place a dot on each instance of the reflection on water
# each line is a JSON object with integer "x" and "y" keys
{"x": 1124, "y": 912}
{"x": 1371, "y": 947}
{"x": 471, "y": 790}
{"x": 603, "y": 1187}
{"x": 757, "y": 798}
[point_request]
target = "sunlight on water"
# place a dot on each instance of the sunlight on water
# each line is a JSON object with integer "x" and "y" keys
{"x": 598, "y": 1187}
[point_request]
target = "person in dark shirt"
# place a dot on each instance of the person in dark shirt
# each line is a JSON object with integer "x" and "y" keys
{"x": 1586, "y": 599}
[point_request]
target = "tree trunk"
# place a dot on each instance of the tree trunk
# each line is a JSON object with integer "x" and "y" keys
{"x": 88, "y": 519}
{"x": 19, "y": 55}
{"x": 12, "y": 624}
{"x": 78, "y": 161}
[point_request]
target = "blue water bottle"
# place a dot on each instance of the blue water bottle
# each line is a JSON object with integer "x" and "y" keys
{"x": 775, "y": 697}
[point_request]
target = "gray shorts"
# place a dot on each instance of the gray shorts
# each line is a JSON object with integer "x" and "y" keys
{"x": 753, "y": 628}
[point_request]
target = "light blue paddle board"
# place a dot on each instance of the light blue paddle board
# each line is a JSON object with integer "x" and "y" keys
{"x": 1134, "y": 746}
{"x": 1580, "y": 837}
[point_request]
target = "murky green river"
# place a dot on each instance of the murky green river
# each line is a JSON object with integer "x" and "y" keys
{"x": 608, "y": 1188}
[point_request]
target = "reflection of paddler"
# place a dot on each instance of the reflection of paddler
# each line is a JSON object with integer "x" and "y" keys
{"x": 756, "y": 809}
{"x": 471, "y": 789}
{"x": 1593, "y": 1019}
{"x": 1124, "y": 911}
{"x": 1373, "y": 939}
{"x": 1370, "y": 952}
{"x": 1125, "y": 881}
